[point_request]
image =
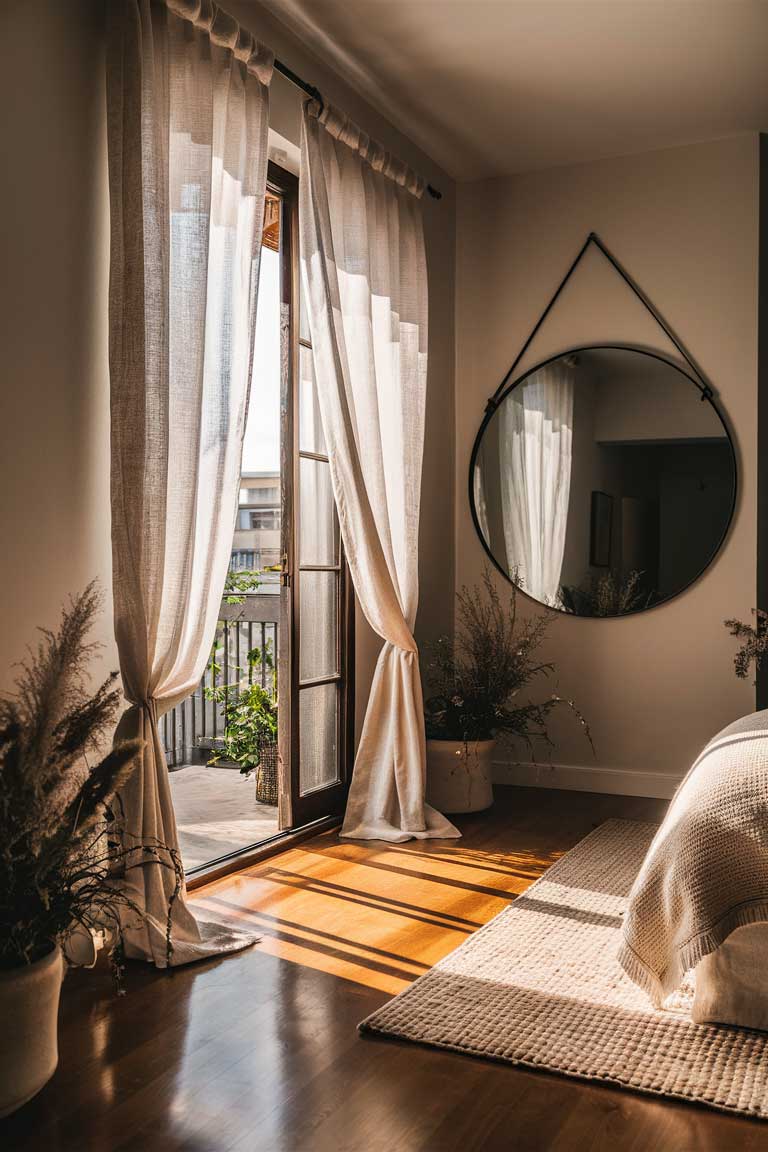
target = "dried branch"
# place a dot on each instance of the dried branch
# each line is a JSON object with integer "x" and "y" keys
{"x": 755, "y": 642}
{"x": 475, "y": 681}
{"x": 60, "y": 855}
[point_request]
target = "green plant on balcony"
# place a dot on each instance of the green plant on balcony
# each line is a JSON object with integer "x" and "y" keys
{"x": 250, "y": 712}
{"x": 238, "y": 583}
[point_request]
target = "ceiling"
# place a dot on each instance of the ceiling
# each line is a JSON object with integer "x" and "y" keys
{"x": 487, "y": 87}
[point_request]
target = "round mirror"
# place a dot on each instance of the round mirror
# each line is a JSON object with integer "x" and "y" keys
{"x": 604, "y": 481}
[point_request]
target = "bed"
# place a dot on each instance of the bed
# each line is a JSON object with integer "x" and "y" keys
{"x": 700, "y": 901}
{"x": 731, "y": 983}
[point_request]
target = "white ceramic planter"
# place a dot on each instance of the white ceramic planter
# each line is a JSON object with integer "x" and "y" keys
{"x": 29, "y": 1009}
{"x": 459, "y": 775}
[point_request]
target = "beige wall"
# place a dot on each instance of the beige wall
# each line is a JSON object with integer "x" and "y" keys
{"x": 54, "y": 422}
{"x": 54, "y": 399}
{"x": 684, "y": 222}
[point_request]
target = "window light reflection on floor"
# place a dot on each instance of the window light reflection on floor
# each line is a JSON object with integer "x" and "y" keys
{"x": 379, "y": 915}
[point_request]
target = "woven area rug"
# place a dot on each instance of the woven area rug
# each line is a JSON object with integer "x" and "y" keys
{"x": 539, "y": 986}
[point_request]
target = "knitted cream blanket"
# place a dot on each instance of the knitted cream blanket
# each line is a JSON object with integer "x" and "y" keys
{"x": 706, "y": 872}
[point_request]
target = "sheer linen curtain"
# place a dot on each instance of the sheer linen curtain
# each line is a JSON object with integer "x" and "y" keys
{"x": 188, "y": 113}
{"x": 535, "y": 439}
{"x": 365, "y": 279}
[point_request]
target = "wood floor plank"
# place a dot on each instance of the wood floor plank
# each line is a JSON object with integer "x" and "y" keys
{"x": 259, "y": 1052}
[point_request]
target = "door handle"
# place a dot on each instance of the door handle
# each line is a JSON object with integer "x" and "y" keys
{"x": 282, "y": 571}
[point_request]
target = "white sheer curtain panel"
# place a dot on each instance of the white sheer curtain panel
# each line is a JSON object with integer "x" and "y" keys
{"x": 365, "y": 279}
{"x": 535, "y": 435}
{"x": 188, "y": 113}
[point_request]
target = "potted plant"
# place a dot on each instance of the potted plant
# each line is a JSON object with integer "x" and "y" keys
{"x": 475, "y": 682}
{"x": 250, "y": 726}
{"x": 59, "y": 864}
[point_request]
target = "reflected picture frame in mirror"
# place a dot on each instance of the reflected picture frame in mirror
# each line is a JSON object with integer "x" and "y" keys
{"x": 653, "y": 505}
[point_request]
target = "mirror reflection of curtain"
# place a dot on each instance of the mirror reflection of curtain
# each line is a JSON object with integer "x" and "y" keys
{"x": 481, "y": 509}
{"x": 535, "y": 466}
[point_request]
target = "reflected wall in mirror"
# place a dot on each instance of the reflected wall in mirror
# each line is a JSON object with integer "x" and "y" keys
{"x": 604, "y": 481}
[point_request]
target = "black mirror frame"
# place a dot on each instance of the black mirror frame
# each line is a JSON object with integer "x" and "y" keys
{"x": 706, "y": 396}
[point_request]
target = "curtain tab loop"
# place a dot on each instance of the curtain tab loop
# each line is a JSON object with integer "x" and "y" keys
{"x": 338, "y": 125}
{"x": 223, "y": 30}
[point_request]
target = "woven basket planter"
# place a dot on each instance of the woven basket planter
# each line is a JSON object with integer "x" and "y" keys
{"x": 266, "y": 775}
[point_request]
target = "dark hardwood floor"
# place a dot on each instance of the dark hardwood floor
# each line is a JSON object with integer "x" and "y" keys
{"x": 259, "y": 1051}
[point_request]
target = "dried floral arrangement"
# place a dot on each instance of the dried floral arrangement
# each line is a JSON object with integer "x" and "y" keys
{"x": 60, "y": 857}
{"x": 607, "y": 594}
{"x": 475, "y": 681}
{"x": 754, "y": 638}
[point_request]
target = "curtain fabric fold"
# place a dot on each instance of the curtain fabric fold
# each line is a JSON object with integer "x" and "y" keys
{"x": 364, "y": 275}
{"x": 188, "y": 107}
{"x": 535, "y": 436}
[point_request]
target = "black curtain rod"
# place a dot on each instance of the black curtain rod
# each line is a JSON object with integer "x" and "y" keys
{"x": 315, "y": 93}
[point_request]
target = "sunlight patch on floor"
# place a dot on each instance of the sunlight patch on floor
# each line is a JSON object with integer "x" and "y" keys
{"x": 374, "y": 913}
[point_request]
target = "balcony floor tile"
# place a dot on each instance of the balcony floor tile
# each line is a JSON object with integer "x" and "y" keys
{"x": 216, "y": 813}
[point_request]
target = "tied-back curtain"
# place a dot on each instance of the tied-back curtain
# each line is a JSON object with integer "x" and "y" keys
{"x": 535, "y": 464}
{"x": 365, "y": 279}
{"x": 187, "y": 123}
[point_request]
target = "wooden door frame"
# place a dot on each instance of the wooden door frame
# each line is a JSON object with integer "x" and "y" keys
{"x": 295, "y": 810}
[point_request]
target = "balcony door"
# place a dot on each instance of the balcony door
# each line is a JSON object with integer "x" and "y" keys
{"x": 317, "y": 604}
{"x": 285, "y": 623}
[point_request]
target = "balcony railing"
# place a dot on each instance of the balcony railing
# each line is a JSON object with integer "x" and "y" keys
{"x": 193, "y": 730}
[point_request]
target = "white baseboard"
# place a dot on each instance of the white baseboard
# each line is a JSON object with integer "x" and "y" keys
{"x": 586, "y": 778}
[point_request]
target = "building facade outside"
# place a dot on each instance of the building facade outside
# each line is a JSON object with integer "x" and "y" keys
{"x": 256, "y": 545}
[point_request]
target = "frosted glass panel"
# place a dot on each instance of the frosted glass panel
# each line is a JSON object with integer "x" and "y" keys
{"x": 311, "y": 437}
{"x": 318, "y": 529}
{"x": 318, "y": 737}
{"x": 318, "y": 624}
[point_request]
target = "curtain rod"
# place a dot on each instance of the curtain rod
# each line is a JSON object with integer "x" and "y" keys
{"x": 315, "y": 93}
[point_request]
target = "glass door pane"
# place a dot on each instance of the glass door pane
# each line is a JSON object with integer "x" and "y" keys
{"x": 319, "y": 739}
{"x": 319, "y": 585}
{"x": 318, "y": 604}
{"x": 321, "y": 612}
{"x": 318, "y": 526}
